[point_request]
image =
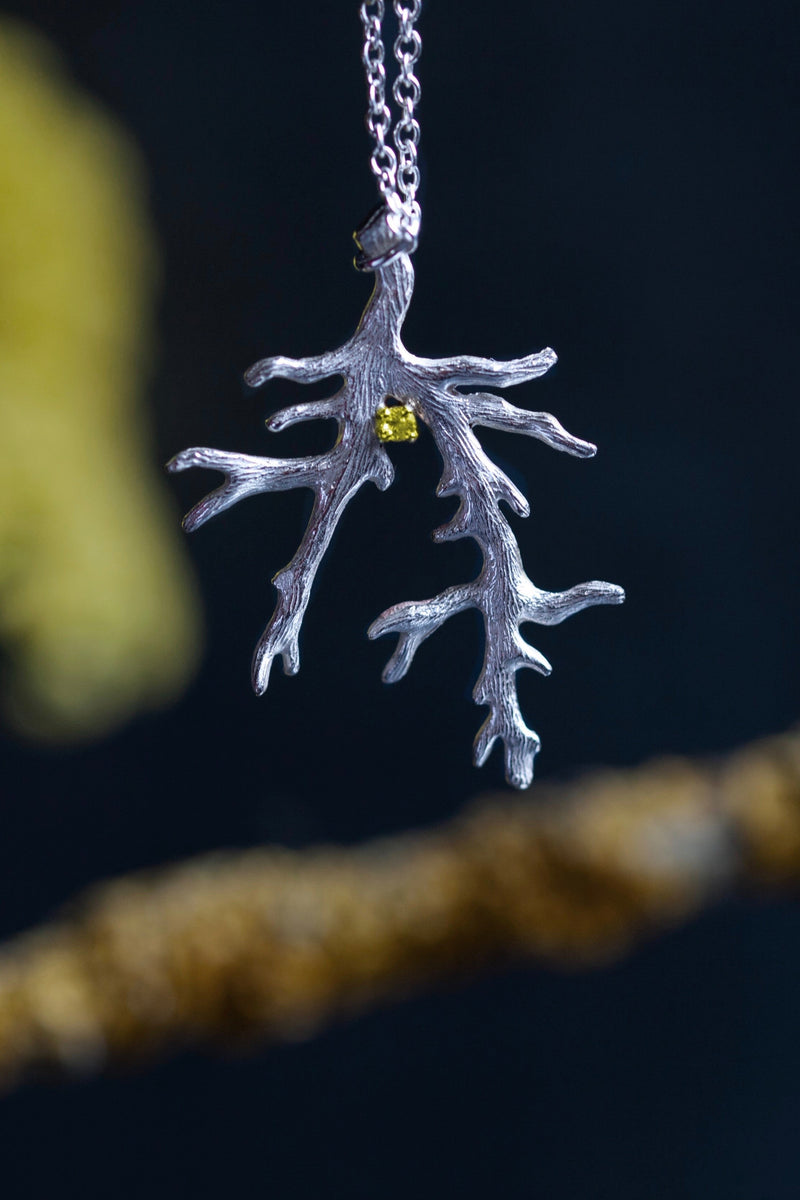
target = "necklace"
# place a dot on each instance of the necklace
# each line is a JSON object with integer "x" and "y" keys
{"x": 386, "y": 391}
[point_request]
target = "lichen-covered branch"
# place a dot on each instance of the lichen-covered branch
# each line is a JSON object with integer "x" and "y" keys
{"x": 274, "y": 943}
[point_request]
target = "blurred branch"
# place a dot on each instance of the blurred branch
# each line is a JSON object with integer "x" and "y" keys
{"x": 98, "y": 615}
{"x": 274, "y": 943}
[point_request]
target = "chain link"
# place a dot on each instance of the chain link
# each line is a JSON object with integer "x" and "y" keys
{"x": 406, "y": 92}
{"x": 395, "y": 169}
{"x": 379, "y": 118}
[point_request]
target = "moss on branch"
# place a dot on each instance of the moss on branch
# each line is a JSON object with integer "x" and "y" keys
{"x": 274, "y": 943}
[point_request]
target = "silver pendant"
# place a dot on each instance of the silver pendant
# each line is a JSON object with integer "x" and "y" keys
{"x": 378, "y": 370}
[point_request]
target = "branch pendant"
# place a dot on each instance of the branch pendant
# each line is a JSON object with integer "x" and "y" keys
{"x": 385, "y": 391}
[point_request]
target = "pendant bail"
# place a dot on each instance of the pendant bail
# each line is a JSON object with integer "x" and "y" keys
{"x": 390, "y": 230}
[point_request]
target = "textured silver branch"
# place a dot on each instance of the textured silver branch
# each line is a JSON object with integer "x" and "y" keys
{"x": 376, "y": 367}
{"x": 503, "y": 593}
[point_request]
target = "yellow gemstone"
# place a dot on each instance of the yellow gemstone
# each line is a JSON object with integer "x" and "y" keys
{"x": 395, "y": 423}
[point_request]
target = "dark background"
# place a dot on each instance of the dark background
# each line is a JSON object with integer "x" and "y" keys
{"x": 617, "y": 181}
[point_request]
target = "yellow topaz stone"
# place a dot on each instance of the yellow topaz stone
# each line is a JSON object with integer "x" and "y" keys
{"x": 395, "y": 423}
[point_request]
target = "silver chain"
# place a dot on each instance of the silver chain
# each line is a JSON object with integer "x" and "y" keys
{"x": 395, "y": 169}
